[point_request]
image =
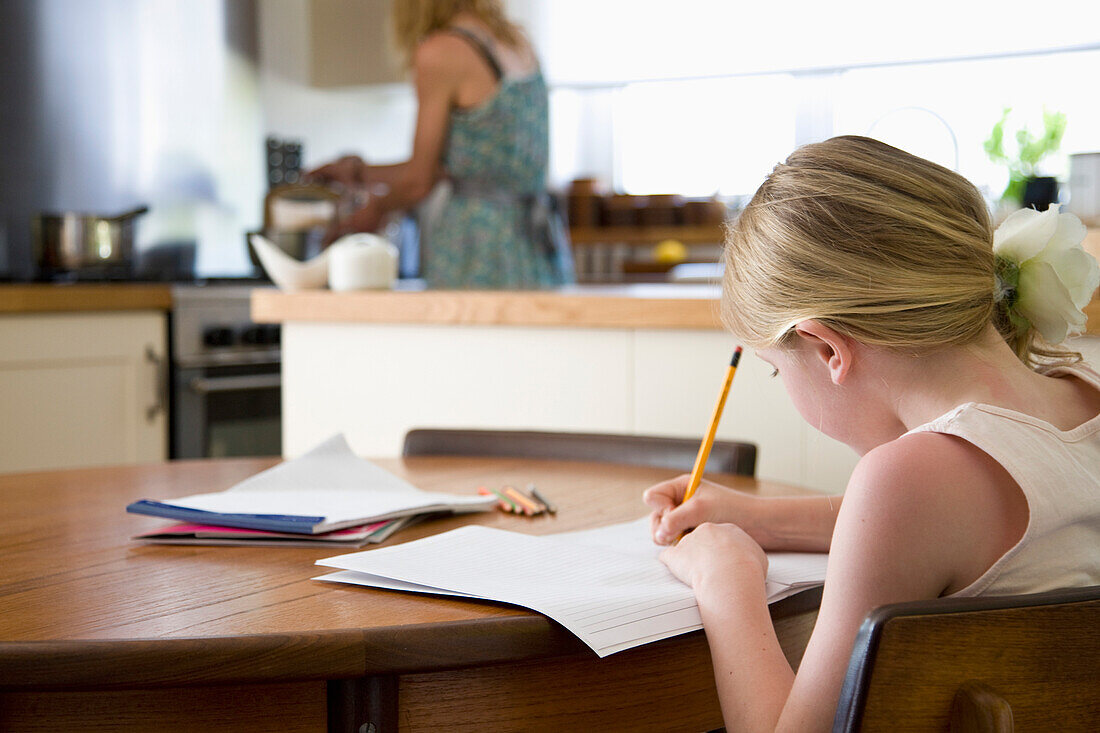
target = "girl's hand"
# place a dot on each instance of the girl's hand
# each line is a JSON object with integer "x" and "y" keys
{"x": 716, "y": 560}
{"x": 711, "y": 502}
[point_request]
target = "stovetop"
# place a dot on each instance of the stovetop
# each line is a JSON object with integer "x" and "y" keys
{"x": 212, "y": 324}
{"x": 253, "y": 280}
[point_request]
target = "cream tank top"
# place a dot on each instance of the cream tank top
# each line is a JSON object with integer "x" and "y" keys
{"x": 1059, "y": 473}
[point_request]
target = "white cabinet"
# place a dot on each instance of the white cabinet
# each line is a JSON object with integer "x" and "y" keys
{"x": 330, "y": 43}
{"x": 374, "y": 382}
{"x": 82, "y": 389}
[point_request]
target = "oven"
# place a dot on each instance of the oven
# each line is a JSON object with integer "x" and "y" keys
{"x": 226, "y": 396}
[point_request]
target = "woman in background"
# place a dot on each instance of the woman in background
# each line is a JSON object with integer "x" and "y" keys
{"x": 482, "y": 125}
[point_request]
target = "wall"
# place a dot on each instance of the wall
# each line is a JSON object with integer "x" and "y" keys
{"x": 114, "y": 103}
{"x": 375, "y": 121}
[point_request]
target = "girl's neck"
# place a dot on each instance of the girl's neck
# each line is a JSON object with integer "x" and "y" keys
{"x": 987, "y": 372}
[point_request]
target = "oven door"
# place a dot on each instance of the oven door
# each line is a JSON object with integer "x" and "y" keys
{"x": 222, "y": 411}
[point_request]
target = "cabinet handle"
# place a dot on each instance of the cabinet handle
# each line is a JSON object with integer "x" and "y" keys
{"x": 160, "y": 398}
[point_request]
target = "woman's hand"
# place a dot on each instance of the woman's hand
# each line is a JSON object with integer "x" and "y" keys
{"x": 366, "y": 219}
{"x": 349, "y": 171}
{"x": 711, "y": 502}
{"x": 716, "y": 560}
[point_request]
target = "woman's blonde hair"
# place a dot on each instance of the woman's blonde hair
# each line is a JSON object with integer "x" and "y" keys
{"x": 414, "y": 20}
{"x": 880, "y": 245}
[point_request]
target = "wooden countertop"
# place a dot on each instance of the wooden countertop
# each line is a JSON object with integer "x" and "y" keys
{"x": 592, "y": 306}
{"x": 83, "y": 297}
{"x": 656, "y": 306}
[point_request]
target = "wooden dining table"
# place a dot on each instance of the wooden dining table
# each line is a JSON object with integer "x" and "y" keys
{"x": 100, "y": 632}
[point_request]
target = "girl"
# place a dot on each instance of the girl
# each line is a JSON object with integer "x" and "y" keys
{"x": 902, "y": 325}
{"x": 482, "y": 123}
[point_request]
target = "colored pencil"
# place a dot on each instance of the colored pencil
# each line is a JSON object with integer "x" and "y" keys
{"x": 529, "y": 507}
{"x": 708, "y": 440}
{"x": 542, "y": 499}
{"x": 505, "y": 503}
{"x": 542, "y": 508}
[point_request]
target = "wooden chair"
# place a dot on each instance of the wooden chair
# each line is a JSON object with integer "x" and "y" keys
{"x": 1027, "y": 662}
{"x": 640, "y": 450}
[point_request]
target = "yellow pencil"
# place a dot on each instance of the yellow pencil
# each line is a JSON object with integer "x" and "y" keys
{"x": 708, "y": 441}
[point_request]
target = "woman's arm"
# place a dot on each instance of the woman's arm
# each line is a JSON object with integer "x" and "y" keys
{"x": 437, "y": 81}
{"x": 790, "y": 524}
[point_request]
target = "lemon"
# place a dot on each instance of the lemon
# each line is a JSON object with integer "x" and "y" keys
{"x": 670, "y": 251}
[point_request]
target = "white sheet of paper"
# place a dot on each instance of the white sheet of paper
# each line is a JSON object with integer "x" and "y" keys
{"x": 606, "y": 586}
{"x": 329, "y": 481}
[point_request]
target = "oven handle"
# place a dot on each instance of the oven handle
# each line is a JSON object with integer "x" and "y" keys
{"x": 207, "y": 385}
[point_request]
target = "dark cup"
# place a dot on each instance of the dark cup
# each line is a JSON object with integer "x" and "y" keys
{"x": 1040, "y": 193}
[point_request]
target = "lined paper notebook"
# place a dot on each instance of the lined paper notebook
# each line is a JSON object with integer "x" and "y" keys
{"x": 607, "y": 586}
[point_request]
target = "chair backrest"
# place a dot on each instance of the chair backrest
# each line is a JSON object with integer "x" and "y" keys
{"x": 1029, "y": 661}
{"x": 641, "y": 450}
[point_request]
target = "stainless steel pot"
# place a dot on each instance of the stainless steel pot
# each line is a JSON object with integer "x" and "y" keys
{"x": 85, "y": 244}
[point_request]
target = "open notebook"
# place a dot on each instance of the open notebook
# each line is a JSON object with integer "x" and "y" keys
{"x": 327, "y": 489}
{"x": 605, "y": 585}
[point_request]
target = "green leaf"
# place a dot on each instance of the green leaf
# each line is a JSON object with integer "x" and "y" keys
{"x": 994, "y": 145}
{"x": 1030, "y": 149}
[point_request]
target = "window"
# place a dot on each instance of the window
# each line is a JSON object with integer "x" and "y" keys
{"x": 921, "y": 108}
{"x": 699, "y": 138}
{"x": 705, "y": 96}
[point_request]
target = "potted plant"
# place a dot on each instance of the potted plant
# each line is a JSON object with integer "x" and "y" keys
{"x": 1025, "y": 188}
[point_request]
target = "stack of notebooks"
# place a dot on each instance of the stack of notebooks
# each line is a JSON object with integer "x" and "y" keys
{"x": 327, "y": 497}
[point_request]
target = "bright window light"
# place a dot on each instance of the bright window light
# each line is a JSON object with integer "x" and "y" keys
{"x": 700, "y": 138}
{"x": 921, "y": 108}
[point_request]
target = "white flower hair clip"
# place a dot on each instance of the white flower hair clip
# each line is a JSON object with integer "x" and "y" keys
{"x": 1043, "y": 273}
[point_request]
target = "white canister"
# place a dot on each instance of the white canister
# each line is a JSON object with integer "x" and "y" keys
{"x": 1084, "y": 187}
{"x": 362, "y": 262}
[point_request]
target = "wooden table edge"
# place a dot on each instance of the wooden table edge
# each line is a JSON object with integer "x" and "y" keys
{"x": 104, "y": 664}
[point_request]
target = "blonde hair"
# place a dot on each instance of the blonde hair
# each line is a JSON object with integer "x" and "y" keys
{"x": 880, "y": 245}
{"x": 414, "y": 20}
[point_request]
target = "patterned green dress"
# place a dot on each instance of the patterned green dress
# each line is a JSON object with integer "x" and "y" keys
{"x": 496, "y": 229}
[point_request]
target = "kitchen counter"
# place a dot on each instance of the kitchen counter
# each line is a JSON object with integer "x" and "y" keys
{"x": 593, "y": 306}
{"x": 643, "y": 359}
{"x": 82, "y": 297}
{"x": 655, "y": 306}
{"x": 651, "y": 306}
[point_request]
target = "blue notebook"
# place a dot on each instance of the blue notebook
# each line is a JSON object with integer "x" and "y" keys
{"x": 326, "y": 489}
{"x": 269, "y": 522}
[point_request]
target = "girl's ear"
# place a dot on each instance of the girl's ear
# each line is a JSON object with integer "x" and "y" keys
{"x": 834, "y": 350}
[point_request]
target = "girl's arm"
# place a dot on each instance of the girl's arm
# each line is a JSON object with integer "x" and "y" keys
{"x": 791, "y": 524}
{"x": 906, "y": 532}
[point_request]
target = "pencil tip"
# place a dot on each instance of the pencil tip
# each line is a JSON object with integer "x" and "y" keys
{"x": 736, "y": 357}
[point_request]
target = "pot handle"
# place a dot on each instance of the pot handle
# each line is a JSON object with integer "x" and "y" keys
{"x": 129, "y": 214}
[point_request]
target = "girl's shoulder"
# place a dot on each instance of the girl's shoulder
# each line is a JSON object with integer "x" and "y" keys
{"x": 919, "y": 466}
{"x": 940, "y": 496}
{"x": 928, "y": 460}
